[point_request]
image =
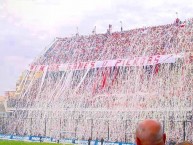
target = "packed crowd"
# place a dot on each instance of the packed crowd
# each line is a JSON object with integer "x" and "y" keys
{"x": 102, "y": 101}
{"x": 148, "y": 41}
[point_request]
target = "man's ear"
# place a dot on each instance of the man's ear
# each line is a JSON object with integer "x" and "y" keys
{"x": 138, "y": 142}
{"x": 164, "y": 138}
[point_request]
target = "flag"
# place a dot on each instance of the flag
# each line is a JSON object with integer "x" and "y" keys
{"x": 94, "y": 31}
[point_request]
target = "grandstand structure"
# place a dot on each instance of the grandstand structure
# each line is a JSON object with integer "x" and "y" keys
{"x": 2, "y": 106}
{"x": 101, "y": 85}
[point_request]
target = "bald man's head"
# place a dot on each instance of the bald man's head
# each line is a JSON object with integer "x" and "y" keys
{"x": 149, "y": 132}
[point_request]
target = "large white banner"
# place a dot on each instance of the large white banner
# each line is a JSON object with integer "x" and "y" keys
{"x": 132, "y": 61}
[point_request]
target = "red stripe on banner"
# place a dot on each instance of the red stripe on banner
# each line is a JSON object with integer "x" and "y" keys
{"x": 131, "y": 61}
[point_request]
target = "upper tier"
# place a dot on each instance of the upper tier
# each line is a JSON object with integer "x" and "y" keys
{"x": 165, "y": 39}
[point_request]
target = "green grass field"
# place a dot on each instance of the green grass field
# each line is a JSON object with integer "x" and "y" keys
{"x": 10, "y": 142}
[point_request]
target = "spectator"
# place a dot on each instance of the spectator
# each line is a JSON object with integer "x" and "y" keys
{"x": 149, "y": 132}
{"x": 89, "y": 141}
{"x": 102, "y": 141}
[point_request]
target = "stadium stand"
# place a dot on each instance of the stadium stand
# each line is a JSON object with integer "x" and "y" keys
{"x": 62, "y": 95}
{"x": 2, "y": 107}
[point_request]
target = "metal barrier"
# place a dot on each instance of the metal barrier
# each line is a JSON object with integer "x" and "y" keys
{"x": 110, "y": 130}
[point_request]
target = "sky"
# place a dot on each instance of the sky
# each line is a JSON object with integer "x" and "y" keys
{"x": 28, "y": 26}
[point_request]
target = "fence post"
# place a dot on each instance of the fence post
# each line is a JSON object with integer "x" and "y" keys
{"x": 45, "y": 126}
{"x": 125, "y": 130}
{"x": 4, "y": 125}
{"x": 76, "y": 127}
{"x": 30, "y": 126}
{"x": 91, "y": 128}
{"x": 163, "y": 126}
{"x": 1, "y": 125}
{"x": 60, "y": 127}
{"x": 184, "y": 129}
{"x": 108, "y": 132}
